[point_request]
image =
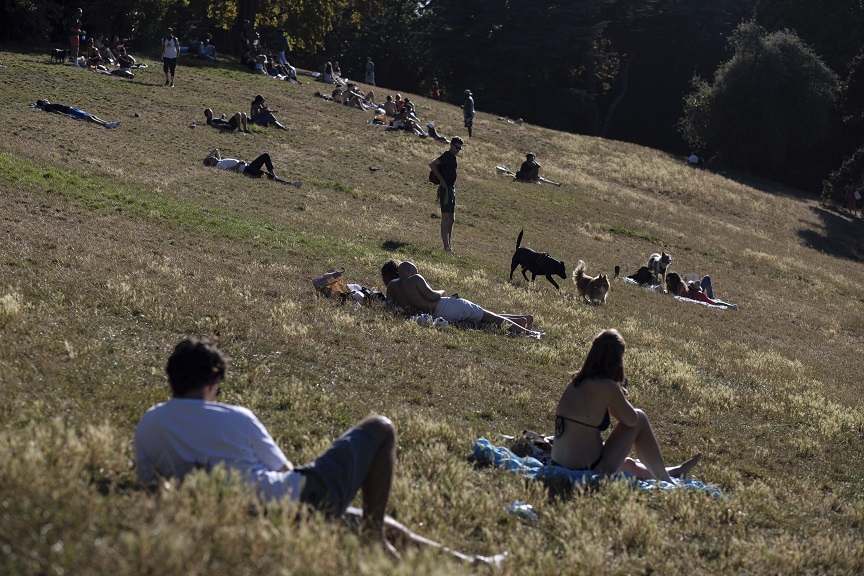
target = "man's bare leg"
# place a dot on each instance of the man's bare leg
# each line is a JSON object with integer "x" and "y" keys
{"x": 524, "y": 320}
{"x": 447, "y": 220}
{"x": 508, "y": 324}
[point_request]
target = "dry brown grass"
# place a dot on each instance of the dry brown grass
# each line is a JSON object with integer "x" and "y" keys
{"x": 116, "y": 243}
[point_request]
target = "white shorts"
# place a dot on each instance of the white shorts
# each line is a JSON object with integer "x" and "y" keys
{"x": 458, "y": 309}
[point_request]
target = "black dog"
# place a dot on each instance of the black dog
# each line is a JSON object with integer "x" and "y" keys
{"x": 59, "y": 55}
{"x": 644, "y": 277}
{"x": 538, "y": 263}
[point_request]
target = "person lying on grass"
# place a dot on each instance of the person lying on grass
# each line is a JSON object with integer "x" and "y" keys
{"x": 694, "y": 289}
{"x": 238, "y": 121}
{"x": 251, "y": 169}
{"x": 74, "y": 113}
{"x": 192, "y": 431}
{"x": 596, "y": 392}
{"x": 408, "y": 288}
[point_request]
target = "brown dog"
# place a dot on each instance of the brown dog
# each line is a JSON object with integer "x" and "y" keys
{"x": 592, "y": 289}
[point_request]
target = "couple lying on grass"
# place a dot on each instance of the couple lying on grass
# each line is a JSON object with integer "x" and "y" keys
{"x": 192, "y": 431}
{"x": 406, "y": 287}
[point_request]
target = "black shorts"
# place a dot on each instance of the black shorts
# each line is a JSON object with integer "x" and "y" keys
{"x": 169, "y": 65}
{"x": 332, "y": 481}
{"x": 447, "y": 201}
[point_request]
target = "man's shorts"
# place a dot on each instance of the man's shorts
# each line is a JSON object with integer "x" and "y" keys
{"x": 79, "y": 114}
{"x": 469, "y": 121}
{"x": 169, "y": 65}
{"x": 446, "y": 200}
{"x": 458, "y": 309}
{"x": 335, "y": 477}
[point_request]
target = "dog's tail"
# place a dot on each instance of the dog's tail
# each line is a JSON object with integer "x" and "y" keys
{"x": 579, "y": 271}
{"x": 519, "y": 240}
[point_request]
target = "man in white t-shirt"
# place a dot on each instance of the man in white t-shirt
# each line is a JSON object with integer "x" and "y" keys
{"x": 192, "y": 431}
{"x": 252, "y": 169}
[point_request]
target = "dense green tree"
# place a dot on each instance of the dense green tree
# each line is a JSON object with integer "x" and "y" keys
{"x": 770, "y": 109}
{"x": 834, "y": 28}
{"x": 852, "y": 168}
{"x": 665, "y": 48}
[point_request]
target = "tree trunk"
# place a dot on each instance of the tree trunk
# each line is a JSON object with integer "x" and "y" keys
{"x": 619, "y": 97}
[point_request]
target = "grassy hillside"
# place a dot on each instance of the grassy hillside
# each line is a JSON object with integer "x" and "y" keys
{"x": 117, "y": 243}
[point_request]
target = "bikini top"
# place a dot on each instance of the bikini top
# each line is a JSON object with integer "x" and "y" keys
{"x": 559, "y": 423}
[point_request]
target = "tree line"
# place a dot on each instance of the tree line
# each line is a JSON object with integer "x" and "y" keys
{"x": 773, "y": 87}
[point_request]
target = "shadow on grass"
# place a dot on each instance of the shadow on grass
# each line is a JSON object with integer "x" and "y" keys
{"x": 840, "y": 236}
{"x": 394, "y": 245}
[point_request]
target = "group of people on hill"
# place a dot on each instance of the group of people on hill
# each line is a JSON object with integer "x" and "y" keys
{"x": 194, "y": 431}
{"x": 100, "y": 55}
{"x": 259, "y": 113}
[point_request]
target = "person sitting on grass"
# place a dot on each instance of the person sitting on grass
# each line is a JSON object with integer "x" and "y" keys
{"x": 124, "y": 60}
{"x": 251, "y": 169}
{"x": 259, "y": 113}
{"x": 207, "y": 51}
{"x": 192, "y": 431}
{"x": 596, "y": 392}
{"x": 74, "y": 113}
{"x": 411, "y": 290}
{"x": 94, "y": 56}
{"x": 353, "y": 97}
{"x": 238, "y": 121}
{"x": 530, "y": 171}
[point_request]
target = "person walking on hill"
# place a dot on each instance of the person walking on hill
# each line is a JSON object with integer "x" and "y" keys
{"x": 444, "y": 168}
{"x": 468, "y": 112}
{"x": 370, "y": 71}
{"x": 283, "y": 48}
{"x": 170, "y": 53}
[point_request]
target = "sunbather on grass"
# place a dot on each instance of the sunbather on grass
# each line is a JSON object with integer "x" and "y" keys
{"x": 596, "y": 392}
{"x": 411, "y": 290}
{"x": 74, "y": 113}
{"x": 238, "y": 121}
{"x": 251, "y": 169}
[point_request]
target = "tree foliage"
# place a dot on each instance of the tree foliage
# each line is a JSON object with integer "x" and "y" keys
{"x": 852, "y": 106}
{"x": 834, "y": 28}
{"x": 770, "y": 109}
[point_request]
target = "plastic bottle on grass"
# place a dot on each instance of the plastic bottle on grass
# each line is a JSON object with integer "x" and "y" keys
{"x": 523, "y": 510}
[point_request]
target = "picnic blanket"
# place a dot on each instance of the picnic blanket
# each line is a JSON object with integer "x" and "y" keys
{"x": 485, "y": 453}
{"x": 658, "y": 288}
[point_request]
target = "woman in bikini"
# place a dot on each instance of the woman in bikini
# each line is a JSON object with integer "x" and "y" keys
{"x": 597, "y": 392}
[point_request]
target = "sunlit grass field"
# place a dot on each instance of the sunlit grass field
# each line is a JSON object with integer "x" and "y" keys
{"x": 115, "y": 244}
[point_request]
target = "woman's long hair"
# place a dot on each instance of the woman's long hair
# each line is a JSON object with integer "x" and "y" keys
{"x": 605, "y": 358}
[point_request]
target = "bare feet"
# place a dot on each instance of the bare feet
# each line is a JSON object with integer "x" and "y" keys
{"x": 682, "y": 469}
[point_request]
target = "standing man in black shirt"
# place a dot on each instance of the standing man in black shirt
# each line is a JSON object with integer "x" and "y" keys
{"x": 444, "y": 168}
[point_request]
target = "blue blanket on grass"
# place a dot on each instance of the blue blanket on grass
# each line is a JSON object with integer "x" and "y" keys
{"x": 501, "y": 457}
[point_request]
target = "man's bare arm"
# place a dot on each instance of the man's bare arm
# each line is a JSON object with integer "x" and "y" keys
{"x": 425, "y": 290}
{"x": 434, "y": 167}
